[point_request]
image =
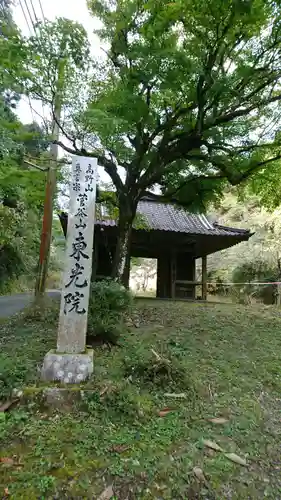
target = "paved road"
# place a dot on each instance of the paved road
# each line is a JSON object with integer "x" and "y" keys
{"x": 11, "y": 304}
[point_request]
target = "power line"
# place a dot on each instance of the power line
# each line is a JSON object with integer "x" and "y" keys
{"x": 27, "y": 98}
{"x": 9, "y": 21}
{"x": 30, "y": 16}
{"x": 25, "y": 17}
{"x": 34, "y": 121}
{"x": 36, "y": 18}
{"x": 41, "y": 7}
{"x": 34, "y": 111}
{"x": 35, "y": 27}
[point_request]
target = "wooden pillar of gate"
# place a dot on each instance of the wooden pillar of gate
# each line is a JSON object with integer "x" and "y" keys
{"x": 204, "y": 277}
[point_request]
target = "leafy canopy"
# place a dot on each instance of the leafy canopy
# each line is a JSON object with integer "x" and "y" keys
{"x": 186, "y": 96}
{"x": 58, "y": 57}
{"x": 21, "y": 189}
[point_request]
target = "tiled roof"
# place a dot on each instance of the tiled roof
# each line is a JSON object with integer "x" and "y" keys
{"x": 166, "y": 217}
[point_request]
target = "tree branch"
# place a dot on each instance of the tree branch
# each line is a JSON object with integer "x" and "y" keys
{"x": 169, "y": 196}
{"x": 256, "y": 166}
{"x": 171, "y": 120}
{"x": 108, "y": 165}
{"x": 227, "y": 117}
{"x": 61, "y": 128}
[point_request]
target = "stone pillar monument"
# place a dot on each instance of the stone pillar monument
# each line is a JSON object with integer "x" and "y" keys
{"x": 71, "y": 362}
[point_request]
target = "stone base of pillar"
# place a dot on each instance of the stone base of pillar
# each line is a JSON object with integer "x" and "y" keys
{"x": 67, "y": 368}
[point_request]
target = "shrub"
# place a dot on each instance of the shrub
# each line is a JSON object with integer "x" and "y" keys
{"x": 256, "y": 271}
{"x": 148, "y": 368}
{"x": 45, "y": 311}
{"x": 218, "y": 277}
{"x": 109, "y": 303}
{"x": 123, "y": 400}
{"x": 12, "y": 375}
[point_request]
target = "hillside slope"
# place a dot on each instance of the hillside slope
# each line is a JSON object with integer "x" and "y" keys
{"x": 144, "y": 428}
{"x": 263, "y": 246}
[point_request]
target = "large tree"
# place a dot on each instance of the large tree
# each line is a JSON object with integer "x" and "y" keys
{"x": 186, "y": 97}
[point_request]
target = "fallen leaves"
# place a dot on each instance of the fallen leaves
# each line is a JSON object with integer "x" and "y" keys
{"x": 160, "y": 358}
{"x": 199, "y": 474}
{"x": 231, "y": 456}
{"x": 119, "y": 448}
{"x": 212, "y": 445}
{"x": 104, "y": 390}
{"x": 218, "y": 420}
{"x": 11, "y": 462}
{"x": 7, "y": 405}
{"x": 236, "y": 459}
{"x": 181, "y": 395}
{"x": 6, "y": 461}
{"x": 107, "y": 494}
{"x": 164, "y": 412}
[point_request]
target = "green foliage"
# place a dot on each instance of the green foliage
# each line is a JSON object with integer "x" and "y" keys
{"x": 121, "y": 402}
{"x": 12, "y": 375}
{"x": 256, "y": 260}
{"x": 181, "y": 99}
{"x": 144, "y": 369}
{"x": 239, "y": 211}
{"x": 266, "y": 187}
{"x": 58, "y": 61}
{"x": 256, "y": 271}
{"x": 33, "y": 335}
{"x": 186, "y": 91}
{"x": 217, "y": 278}
{"x": 19, "y": 243}
{"x": 186, "y": 97}
{"x": 118, "y": 427}
{"x": 108, "y": 305}
{"x": 46, "y": 310}
{"x": 22, "y": 190}
{"x": 12, "y": 52}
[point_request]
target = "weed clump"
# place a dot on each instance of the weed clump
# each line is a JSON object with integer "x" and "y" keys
{"x": 151, "y": 368}
{"x": 45, "y": 310}
{"x": 109, "y": 303}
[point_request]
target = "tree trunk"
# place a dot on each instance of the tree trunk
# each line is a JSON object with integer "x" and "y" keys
{"x": 121, "y": 264}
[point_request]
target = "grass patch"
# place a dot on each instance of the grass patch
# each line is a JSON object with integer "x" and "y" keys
{"x": 226, "y": 361}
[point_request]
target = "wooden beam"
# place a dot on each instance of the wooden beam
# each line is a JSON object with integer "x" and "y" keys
{"x": 173, "y": 275}
{"x": 188, "y": 282}
{"x": 204, "y": 277}
{"x": 30, "y": 164}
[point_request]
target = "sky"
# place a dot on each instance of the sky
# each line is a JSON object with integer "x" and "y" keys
{"x": 73, "y": 9}
{"x": 76, "y": 10}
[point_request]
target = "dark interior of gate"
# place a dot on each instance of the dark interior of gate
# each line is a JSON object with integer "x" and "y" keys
{"x": 174, "y": 237}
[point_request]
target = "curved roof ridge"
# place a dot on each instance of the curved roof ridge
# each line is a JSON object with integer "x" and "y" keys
{"x": 171, "y": 218}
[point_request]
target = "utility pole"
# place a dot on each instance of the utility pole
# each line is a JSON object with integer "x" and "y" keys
{"x": 46, "y": 234}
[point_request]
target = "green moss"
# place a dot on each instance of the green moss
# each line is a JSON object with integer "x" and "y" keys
{"x": 88, "y": 351}
{"x": 231, "y": 356}
{"x": 65, "y": 472}
{"x": 32, "y": 391}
